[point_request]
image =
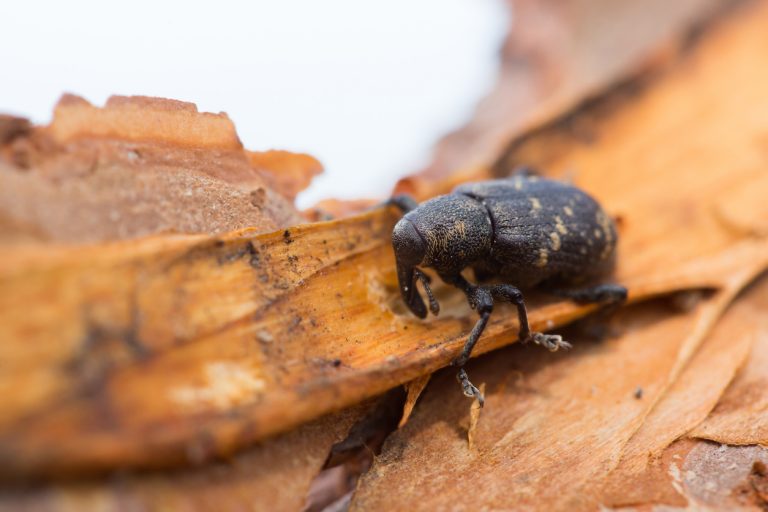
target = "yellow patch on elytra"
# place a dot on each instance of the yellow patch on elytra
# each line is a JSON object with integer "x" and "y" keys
{"x": 598, "y": 233}
{"x": 543, "y": 258}
{"x": 560, "y": 225}
{"x": 554, "y": 241}
{"x": 518, "y": 184}
{"x": 568, "y": 211}
{"x": 605, "y": 225}
{"x": 535, "y": 203}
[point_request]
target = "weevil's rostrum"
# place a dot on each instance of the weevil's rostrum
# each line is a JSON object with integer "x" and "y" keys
{"x": 523, "y": 232}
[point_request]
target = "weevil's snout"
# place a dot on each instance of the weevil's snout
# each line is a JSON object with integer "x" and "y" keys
{"x": 409, "y": 251}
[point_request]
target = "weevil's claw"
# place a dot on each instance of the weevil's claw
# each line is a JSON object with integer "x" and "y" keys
{"x": 469, "y": 389}
{"x": 552, "y": 342}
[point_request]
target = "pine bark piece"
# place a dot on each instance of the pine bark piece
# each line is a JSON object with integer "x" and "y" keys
{"x": 141, "y": 166}
{"x": 553, "y": 427}
{"x": 697, "y": 474}
{"x": 689, "y": 400}
{"x": 741, "y": 414}
{"x": 145, "y": 352}
{"x": 721, "y": 477}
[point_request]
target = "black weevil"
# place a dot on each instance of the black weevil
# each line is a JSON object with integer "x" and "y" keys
{"x": 523, "y": 230}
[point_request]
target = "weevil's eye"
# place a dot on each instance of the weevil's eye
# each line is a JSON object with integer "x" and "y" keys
{"x": 409, "y": 252}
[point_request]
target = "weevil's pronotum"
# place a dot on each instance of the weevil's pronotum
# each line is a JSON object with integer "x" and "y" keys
{"x": 522, "y": 231}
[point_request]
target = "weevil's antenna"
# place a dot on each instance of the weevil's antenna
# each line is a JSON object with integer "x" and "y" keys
{"x": 434, "y": 307}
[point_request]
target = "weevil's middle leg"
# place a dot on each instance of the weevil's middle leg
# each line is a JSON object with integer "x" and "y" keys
{"x": 509, "y": 293}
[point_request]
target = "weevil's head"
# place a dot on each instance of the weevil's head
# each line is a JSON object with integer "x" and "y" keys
{"x": 410, "y": 250}
{"x": 447, "y": 233}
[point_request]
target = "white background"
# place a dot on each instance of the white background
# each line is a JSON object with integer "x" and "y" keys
{"x": 366, "y": 87}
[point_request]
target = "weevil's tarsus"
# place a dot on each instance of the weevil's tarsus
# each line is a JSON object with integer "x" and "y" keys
{"x": 470, "y": 390}
{"x": 552, "y": 342}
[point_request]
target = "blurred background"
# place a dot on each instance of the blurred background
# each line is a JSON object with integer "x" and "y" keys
{"x": 367, "y": 92}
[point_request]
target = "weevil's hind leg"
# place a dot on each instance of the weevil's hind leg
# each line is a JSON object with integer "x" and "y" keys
{"x": 481, "y": 300}
{"x": 404, "y": 202}
{"x": 509, "y": 293}
{"x": 609, "y": 294}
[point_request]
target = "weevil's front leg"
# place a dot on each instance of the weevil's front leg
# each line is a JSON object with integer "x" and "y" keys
{"x": 470, "y": 390}
{"x": 481, "y": 300}
{"x": 509, "y": 293}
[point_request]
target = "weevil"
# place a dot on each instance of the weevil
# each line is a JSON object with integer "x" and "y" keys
{"x": 523, "y": 232}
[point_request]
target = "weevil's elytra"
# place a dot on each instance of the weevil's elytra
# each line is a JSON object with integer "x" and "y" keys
{"x": 524, "y": 231}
